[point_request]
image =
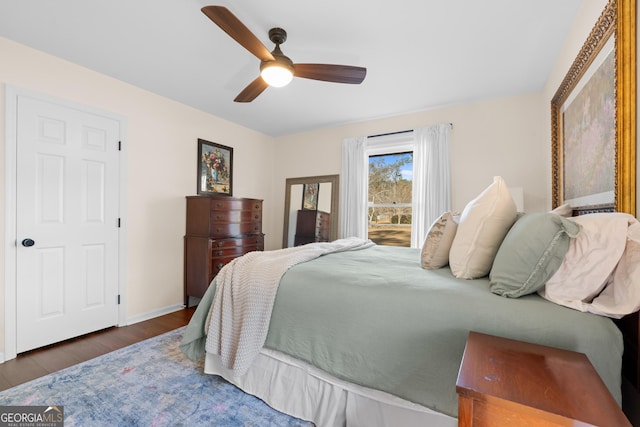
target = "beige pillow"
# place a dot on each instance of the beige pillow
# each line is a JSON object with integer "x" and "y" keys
{"x": 435, "y": 250}
{"x": 590, "y": 260}
{"x": 483, "y": 225}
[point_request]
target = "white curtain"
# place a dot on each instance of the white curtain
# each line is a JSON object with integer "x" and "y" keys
{"x": 431, "y": 179}
{"x": 353, "y": 192}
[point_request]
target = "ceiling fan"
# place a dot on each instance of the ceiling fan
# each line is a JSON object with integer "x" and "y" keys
{"x": 276, "y": 69}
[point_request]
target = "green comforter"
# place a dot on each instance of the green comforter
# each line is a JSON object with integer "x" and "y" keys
{"x": 376, "y": 318}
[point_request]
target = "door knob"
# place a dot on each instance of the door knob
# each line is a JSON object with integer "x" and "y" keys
{"x": 28, "y": 242}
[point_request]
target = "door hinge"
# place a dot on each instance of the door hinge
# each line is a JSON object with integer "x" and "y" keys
{"x": 118, "y": 223}
{"x": 119, "y": 145}
{"x": 118, "y": 299}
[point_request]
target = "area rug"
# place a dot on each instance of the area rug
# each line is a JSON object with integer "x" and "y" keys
{"x": 150, "y": 383}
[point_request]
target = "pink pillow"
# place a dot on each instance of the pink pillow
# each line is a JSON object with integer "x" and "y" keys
{"x": 590, "y": 260}
{"x": 621, "y": 296}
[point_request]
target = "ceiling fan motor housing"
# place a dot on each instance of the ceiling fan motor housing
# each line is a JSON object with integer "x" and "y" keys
{"x": 278, "y": 36}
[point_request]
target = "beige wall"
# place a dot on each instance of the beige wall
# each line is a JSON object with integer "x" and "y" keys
{"x": 503, "y": 137}
{"x": 161, "y": 154}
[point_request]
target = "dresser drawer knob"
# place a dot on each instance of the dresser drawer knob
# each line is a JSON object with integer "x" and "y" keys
{"x": 220, "y": 244}
{"x": 219, "y": 204}
{"x": 220, "y": 265}
{"x": 220, "y": 253}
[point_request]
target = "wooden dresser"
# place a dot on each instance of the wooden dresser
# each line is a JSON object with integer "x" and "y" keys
{"x": 219, "y": 229}
{"x": 312, "y": 226}
{"x": 503, "y": 382}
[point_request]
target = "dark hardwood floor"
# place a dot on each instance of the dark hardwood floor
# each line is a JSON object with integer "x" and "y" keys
{"x": 37, "y": 363}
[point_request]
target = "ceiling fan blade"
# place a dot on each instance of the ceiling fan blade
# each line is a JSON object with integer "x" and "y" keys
{"x": 227, "y": 21}
{"x": 331, "y": 73}
{"x": 250, "y": 92}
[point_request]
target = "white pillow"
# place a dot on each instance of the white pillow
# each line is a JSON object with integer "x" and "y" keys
{"x": 621, "y": 296}
{"x": 590, "y": 260}
{"x": 435, "y": 250}
{"x": 483, "y": 225}
{"x": 564, "y": 210}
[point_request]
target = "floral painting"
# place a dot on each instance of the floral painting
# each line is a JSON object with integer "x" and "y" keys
{"x": 215, "y": 164}
{"x": 590, "y": 137}
{"x": 310, "y": 197}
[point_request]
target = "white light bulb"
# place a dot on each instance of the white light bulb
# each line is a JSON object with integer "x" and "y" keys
{"x": 276, "y": 76}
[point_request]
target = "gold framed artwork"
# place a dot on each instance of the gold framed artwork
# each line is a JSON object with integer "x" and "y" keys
{"x": 593, "y": 116}
{"x": 215, "y": 168}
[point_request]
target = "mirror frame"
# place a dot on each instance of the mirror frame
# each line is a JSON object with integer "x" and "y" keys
{"x": 334, "y": 180}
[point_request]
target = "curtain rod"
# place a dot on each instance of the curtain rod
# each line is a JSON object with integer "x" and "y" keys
{"x": 397, "y": 133}
{"x": 390, "y": 133}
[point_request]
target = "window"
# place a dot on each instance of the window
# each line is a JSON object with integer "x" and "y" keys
{"x": 431, "y": 183}
{"x": 390, "y": 198}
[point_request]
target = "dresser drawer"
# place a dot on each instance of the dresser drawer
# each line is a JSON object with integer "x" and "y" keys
{"x": 217, "y": 262}
{"x": 235, "y": 251}
{"x": 229, "y": 204}
{"x": 322, "y": 216}
{"x": 232, "y": 242}
{"x": 235, "y": 216}
{"x": 236, "y": 229}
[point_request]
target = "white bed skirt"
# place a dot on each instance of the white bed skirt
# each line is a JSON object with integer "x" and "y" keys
{"x": 306, "y": 392}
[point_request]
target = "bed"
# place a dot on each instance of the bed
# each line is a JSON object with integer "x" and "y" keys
{"x": 370, "y": 337}
{"x": 360, "y": 308}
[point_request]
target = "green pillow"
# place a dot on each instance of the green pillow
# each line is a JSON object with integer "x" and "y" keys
{"x": 531, "y": 253}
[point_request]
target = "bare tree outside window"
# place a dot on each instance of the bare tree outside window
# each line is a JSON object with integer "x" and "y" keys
{"x": 390, "y": 196}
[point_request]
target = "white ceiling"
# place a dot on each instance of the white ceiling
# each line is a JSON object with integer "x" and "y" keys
{"x": 419, "y": 54}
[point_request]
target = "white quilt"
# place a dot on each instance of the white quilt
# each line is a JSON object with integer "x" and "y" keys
{"x": 245, "y": 292}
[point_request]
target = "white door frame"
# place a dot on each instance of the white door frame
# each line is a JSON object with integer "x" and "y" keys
{"x": 10, "y": 208}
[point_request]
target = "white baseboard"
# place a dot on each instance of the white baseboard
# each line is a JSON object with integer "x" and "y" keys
{"x": 2, "y": 358}
{"x": 153, "y": 314}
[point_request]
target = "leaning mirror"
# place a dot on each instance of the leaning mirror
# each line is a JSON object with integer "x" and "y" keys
{"x": 310, "y": 210}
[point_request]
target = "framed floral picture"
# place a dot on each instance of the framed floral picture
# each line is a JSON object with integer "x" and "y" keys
{"x": 310, "y": 196}
{"x": 215, "y": 168}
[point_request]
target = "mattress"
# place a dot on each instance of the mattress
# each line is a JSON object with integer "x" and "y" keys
{"x": 375, "y": 319}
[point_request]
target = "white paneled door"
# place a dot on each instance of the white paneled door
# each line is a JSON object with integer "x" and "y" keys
{"x": 66, "y": 222}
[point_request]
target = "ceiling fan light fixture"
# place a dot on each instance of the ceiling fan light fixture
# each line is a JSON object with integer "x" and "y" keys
{"x": 276, "y": 74}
